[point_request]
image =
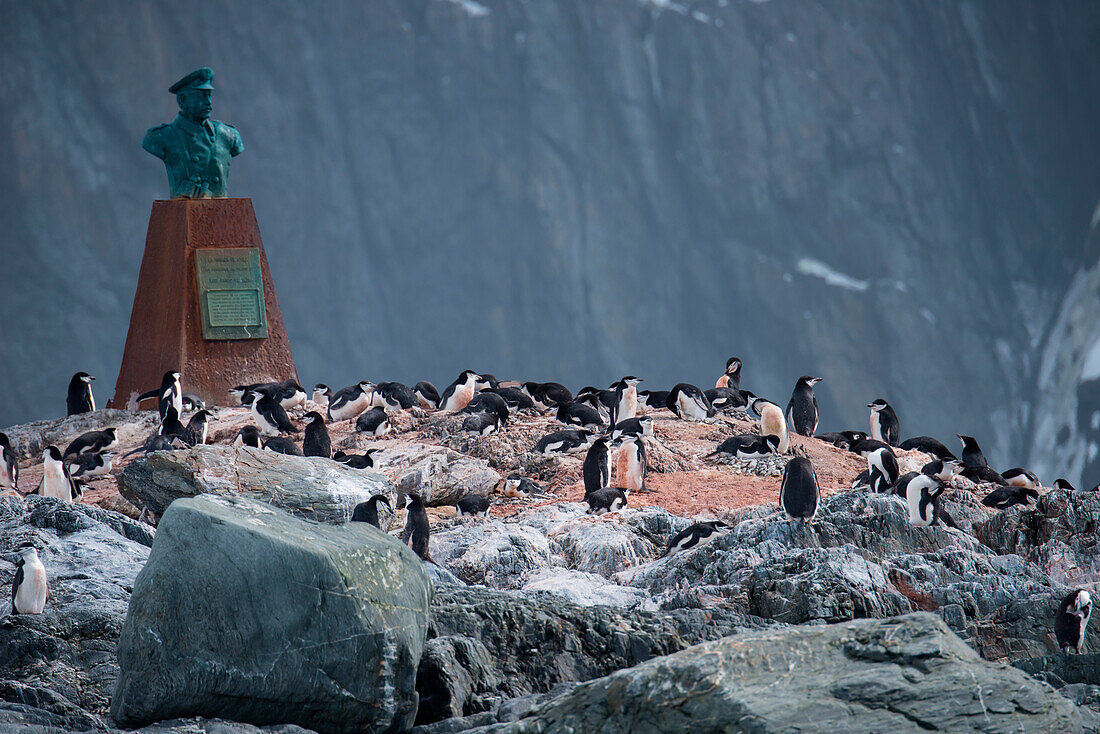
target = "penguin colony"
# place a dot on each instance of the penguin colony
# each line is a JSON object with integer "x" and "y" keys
{"x": 605, "y": 424}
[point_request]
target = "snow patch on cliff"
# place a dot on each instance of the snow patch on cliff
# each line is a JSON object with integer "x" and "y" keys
{"x": 818, "y": 269}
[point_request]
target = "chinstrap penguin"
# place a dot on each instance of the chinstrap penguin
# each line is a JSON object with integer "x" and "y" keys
{"x": 80, "y": 398}
{"x": 885, "y": 426}
{"x": 1072, "y": 620}
{"x": 29, "y": 588}
{"x": 799, "y": 494}
{"x": 316, "y": 441}
{"x": 802, "y": 414}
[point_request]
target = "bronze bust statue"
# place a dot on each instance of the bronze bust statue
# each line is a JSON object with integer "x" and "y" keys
{"x": 195, "y": 149}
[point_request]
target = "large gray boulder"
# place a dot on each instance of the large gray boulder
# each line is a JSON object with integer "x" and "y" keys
{"x": 910, "y": 673}
{"x": 311, "y": 487}
{"x": 438, "y": 474}
{"x": 58, "y": 668}
{"x": 247, "y": 613}
{"x": 487, "y": 646}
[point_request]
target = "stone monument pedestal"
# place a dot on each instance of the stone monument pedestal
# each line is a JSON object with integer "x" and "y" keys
{"x": 205, "y": 304}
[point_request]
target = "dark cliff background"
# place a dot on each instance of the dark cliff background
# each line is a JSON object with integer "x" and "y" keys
{"x": 895, "y": 196}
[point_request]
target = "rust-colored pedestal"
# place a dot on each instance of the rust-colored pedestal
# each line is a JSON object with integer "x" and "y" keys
{"x": 166, "y": 323}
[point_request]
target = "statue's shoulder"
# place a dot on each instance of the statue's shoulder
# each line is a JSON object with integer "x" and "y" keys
{"x": 157, "y": 130}
{"x": 230, "y": 135}
{"x": 155, "y": 139}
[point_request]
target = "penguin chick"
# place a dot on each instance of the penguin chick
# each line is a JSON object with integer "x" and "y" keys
{"x": 972, "y": 453}
{"x": 198, "y": 428}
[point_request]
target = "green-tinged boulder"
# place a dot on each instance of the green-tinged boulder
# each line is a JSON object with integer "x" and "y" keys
{"x": 246, "y": 613}
{"x": 909, "y": 673}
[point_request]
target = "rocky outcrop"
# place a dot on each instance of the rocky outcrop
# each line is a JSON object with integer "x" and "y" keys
{"x": 1059, "y": 533}
{"x": 310, "y": 487}
{"x": 58, "y": 668}
{"x": 910, "y": 673}
{"x": 488, "y": 646}
{"x": 439, "y": 475}
{"x": 30, "y": 439}
{"x": 247, "y": 613}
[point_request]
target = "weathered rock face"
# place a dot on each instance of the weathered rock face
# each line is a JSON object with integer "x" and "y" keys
{"x": 310, "y": 487}
{"x": 439, "y": 475}
{"x": 904, "y": 674}
{"x": 487, "y": 646}
{"x": 58, "y": 668}
{"x": 861, "y": 558}
{"x": 28, "y": 440}
{"x": 247, "y": 613}
{"x": 1060, "y": 533}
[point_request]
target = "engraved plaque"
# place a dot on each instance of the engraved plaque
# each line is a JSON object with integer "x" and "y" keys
{"x": 231, "y": 293}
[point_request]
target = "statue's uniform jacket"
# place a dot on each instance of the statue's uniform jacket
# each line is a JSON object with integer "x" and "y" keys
{"x": 195, "y": 154}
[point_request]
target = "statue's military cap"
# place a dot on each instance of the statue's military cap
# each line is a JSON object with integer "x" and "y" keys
{"x": 198, "y": 79}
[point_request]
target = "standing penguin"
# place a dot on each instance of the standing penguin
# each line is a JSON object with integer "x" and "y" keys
{"x": 368, "y": 511}
{"x": 29, "y": 588}
{"x": 596, "y": 470}
{"x": 630, "y": 464}
{"x": 625, "y": 404}
{"x": 882, "y": 469}
{"x": 316, "y": 441}
{"x": 972, "y": 452}
{"x": 1071, "y": 621}
{"x": 170, "y": 393}
{"x": 269, "y": 415}
{"x": 9, "y": 467}
{"x": 322, "y": 393}
{"x": 417, "y": 528}
{"x": 80, "y": 398}
{"x": 772, "y": 423}
{"x": 799, "y": 494}
{"x": 460, "y": 392}
{"x": 802, "y": 408}
{"x": 922, "y": 496}
{"x": 56, "y": 481}
{"x": 732, "y": 376}
{"x": 884, "y": 423}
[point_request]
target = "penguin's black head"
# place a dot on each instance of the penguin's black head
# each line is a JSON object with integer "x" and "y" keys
{"x": 966, "y": 440}
{"x": 877, "y": 405}
{"x": 809, "y": 380}
{"x": 52, "y": 452}
{"x": 171, "y": 376}
{"x": 366, "y": 386}
{"x": 631, "y": 380}
{"x": 321, "y": 386}
{"x": 381, "y": 499}
{"x": 772, "y": 442}
{"x": 413, "y": 499}
{"x": 733, "y": 366}
{"x": 313, "y": 417}
{"x": 339, "y": 456}
{"x": 1063, "y": 484}
{"x": 202, "y": 416}
{"x": 82, "y": 377}
{"x": 5, "y": 441}
{"x": 111, "y": 432}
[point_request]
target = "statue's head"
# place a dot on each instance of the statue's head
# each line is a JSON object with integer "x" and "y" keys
{"x": 193, "y": 94}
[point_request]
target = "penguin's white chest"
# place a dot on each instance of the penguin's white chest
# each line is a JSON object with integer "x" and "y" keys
{"x": 54, "y": 483}
{"x": 628, "y": 405}
{"x": 876, "y": 426}
{"x": 30, "y": 598}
